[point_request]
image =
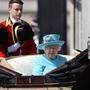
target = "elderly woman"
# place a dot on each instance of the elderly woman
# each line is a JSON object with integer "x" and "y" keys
{"x": 50, "y": 60}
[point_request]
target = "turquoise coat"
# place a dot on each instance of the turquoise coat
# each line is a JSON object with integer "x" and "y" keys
{"x": 43, "y": 64}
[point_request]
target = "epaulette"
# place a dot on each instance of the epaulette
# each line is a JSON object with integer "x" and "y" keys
{"x": 8, "y": 22}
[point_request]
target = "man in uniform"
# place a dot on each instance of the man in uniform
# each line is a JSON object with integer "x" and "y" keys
{"x": 8, "y": 45}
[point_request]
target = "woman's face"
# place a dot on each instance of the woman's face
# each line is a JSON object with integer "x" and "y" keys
{"x": 52, "y": 51}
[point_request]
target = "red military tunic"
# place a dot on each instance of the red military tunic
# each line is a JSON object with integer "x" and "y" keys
{"x": 29, "y": 47}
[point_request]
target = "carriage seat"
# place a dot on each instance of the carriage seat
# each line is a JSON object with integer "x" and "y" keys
{"x": 23, "y": 64}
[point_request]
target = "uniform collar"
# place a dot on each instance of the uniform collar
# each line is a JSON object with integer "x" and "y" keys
{"x": 10, "y": 20}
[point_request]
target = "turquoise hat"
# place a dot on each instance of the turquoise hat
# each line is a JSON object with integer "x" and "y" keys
{"x": 49, "y": 40}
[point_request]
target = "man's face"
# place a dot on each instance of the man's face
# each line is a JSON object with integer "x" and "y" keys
{"x": 15, "y": 10}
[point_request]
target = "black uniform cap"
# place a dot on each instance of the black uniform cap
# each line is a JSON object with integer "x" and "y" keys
{"x": 22, "y": 31}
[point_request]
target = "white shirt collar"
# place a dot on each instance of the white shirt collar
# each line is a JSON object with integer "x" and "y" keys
{"x": 13, "y": 20}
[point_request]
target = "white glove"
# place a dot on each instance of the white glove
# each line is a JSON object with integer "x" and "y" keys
{"x": 13, "y": 47}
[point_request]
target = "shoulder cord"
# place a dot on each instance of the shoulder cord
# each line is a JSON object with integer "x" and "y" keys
{"x": 16, "y": 29}
{"x": 14, "y": 34}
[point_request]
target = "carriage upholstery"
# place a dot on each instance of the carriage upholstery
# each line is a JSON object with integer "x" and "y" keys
{"x": 23, "y": 64}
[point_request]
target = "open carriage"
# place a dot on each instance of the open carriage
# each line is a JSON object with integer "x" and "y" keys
{"x": 17, "y": 75}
